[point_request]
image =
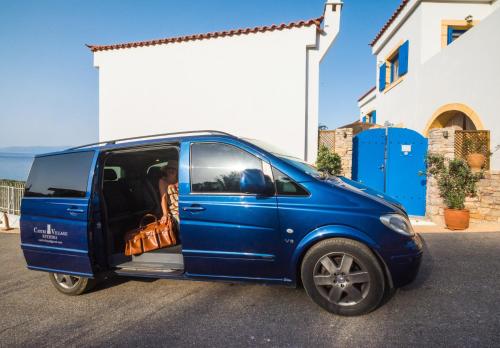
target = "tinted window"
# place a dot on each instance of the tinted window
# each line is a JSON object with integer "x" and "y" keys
{"x": 59, "y": 175}
{"x": 286, "y": 186}
{"x": 218, "y": 167}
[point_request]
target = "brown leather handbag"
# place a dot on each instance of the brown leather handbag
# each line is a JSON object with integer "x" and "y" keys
{"x": 150, "y": 237}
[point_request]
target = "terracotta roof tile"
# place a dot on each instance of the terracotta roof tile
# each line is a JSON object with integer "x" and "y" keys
{"x": 366, "y": 93}
{"x": 298, "y": 24}
{"x": 389, "y": 22}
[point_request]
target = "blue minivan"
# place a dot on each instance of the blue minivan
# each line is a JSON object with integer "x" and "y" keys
{"x": 248, "y": 213}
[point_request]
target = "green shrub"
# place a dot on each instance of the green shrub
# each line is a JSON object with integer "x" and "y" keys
{"x": 328, "y": 161}
{"x": 454, "y": 178}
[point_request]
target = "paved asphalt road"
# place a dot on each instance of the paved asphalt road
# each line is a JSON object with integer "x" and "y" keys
{"x": 455, "y": 301}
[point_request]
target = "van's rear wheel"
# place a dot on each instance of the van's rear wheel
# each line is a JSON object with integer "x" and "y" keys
{"x": 343, "y": 276}
{"x": 71, "y": 285}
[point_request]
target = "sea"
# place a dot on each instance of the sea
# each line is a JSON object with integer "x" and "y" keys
{"x": 15, "y": 162}
{"x": 15, "y": 166}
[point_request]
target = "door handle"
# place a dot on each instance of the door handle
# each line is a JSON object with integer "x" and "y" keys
{"x": 194, "y": 208}
{"x": 74, "y": 210}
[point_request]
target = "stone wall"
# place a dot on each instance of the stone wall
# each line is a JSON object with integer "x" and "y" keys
{"x": 441, "y": 141}
{"x": 486, "y": 206}
{"x": 340, "y": 142}
{"x": 343, "y": 147}
{"x": 483, "y": 208}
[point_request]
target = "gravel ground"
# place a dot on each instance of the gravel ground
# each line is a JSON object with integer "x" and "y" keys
{"x": 453, "y": 302}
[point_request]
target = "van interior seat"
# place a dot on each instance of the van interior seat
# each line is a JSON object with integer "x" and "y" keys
{"x": 110, "y": 175}
{"x": 133, "y": 193}
{"x": 115, "y": 195}
{"x": 144, "y": 197}
{"x": 154, "y": 175}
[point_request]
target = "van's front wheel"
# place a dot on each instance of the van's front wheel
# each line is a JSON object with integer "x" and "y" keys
{"x": 343, "y": 276}
{"x": 71, "y": 285}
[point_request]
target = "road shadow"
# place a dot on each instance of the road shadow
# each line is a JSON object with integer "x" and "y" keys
{"x": 453, "y": 302}
{"x": 425, "y": 271}
{"x": 434, "y": 310}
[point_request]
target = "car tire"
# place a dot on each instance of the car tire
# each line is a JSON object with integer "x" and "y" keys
{"x": 71, "y": 285}
{"x": 343, "y": 276}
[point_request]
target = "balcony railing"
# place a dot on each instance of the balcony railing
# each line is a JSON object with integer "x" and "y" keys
{"x": 11, "y": 194}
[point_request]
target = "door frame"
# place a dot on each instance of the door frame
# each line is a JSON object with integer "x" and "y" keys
{"x": 185, "y": 191}
{"x": 102, "y": 212}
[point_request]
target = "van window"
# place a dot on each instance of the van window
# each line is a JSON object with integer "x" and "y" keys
{"x": 63, "y": 175}
{"x": 217, "y": 168}
{"x": 286, "y": 186}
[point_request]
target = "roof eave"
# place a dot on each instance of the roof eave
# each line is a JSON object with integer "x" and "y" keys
{"x": 387, "y": 25}
{"x": 211, "y": 35}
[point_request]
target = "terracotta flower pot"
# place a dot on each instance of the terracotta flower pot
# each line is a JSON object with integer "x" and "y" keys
{"x": 476, "y": 161}
{"x": 456, "y": 219}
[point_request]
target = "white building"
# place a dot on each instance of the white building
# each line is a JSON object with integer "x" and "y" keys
{"x": 260, "y": 83}
{"x": 438, "y": 66}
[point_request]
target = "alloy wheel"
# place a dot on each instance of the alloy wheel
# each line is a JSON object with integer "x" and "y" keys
{"x": 341, "y": 279}
{"x": 67, "y": 281}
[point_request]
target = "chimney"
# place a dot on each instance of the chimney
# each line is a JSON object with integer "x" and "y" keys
{"x": 331, "y": 25}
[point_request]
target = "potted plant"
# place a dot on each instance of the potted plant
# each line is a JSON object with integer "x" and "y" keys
{"x": 328, "y": 161}
{"x": 455, "y": 181}
{"x": 475, "y": 155}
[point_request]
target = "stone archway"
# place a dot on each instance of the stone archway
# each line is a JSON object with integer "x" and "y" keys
{"x": 458, "y": 116}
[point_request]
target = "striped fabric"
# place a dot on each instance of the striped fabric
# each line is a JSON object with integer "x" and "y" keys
{"x": 173, "y": 200}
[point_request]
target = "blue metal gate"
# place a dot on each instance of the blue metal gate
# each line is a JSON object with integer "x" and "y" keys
{"x": 392, "y": 160}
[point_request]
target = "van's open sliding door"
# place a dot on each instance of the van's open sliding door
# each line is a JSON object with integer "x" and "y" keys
{"x": 55, "y": 213}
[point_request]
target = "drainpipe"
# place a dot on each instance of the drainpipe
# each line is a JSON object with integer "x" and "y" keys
{"x": 315, "y": 54}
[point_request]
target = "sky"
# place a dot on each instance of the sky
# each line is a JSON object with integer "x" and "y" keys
{"x": 49, "y": 87}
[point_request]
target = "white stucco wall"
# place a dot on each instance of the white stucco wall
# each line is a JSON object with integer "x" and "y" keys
{"x": 367, "y": 104}
{"x": 398, "y": 104}
{"x": 261, "y": 85}
{"x": 248, "y": 85}
{"x": 409, "y": 31}
{"x": 432, "y": 15}
{"x": 466, "y": 72}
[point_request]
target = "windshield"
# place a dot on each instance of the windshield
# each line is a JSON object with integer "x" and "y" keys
{"x": 268, "y": 147}
{"x": 294, "y": 161}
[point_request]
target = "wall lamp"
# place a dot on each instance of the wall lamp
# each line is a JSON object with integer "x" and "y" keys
{"x": 445, "y": 134}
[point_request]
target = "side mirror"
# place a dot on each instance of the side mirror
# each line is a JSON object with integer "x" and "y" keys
{"x": 254, "y": 181}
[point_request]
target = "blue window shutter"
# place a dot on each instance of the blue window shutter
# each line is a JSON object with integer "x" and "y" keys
{"x": 381, "y": 77}
{"x": 403, "y": 58}
{"x": 374, "y": 117}
{"x": 364, "y": 119}
{"x": 450, "y": 35}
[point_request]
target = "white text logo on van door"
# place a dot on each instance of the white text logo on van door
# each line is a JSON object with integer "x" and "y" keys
{"x": 49, "y": 234}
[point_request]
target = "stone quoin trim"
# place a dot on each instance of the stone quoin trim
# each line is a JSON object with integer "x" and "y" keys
{"x": 389, "y": 22}
{"x": 212, "y": 35}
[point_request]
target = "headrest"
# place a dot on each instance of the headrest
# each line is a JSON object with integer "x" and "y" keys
{"x": 172, "y": 164}
{"x": 154, "y": 172}
{"x": 109, "y": 175}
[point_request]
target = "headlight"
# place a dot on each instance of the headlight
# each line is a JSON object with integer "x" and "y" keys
{"x": 397, "y": 223}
